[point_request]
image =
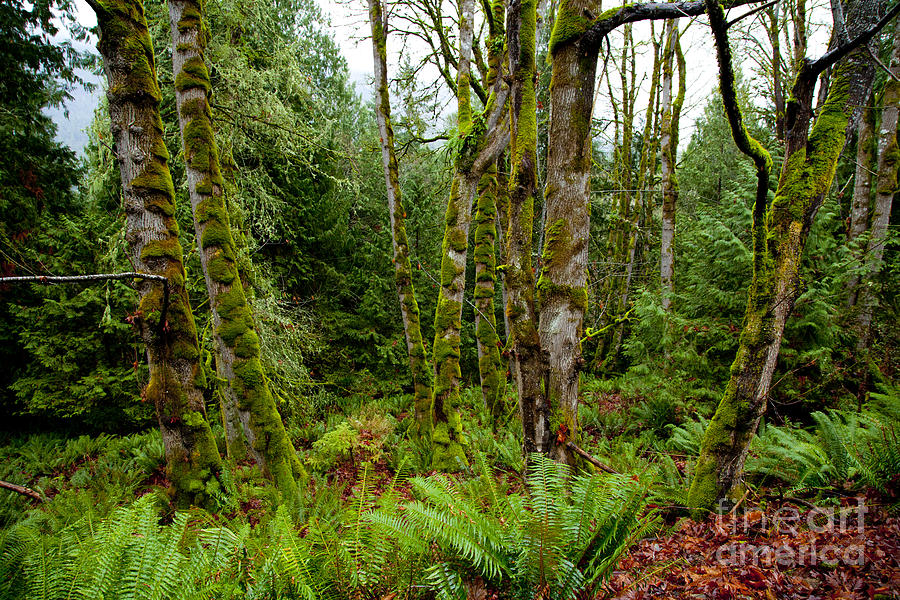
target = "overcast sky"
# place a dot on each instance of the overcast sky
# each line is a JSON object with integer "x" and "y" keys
{"x": 350, "y": 28}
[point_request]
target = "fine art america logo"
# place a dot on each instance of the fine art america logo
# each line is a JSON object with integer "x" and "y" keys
{"x": 800, "y": 546}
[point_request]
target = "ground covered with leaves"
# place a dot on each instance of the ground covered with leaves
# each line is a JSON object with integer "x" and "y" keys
{"x": 780, "y": 550}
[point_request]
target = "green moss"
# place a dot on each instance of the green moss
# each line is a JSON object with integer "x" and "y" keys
{"x": 221, "y": 269}
{"x": 156, "y": 178}
{"x": 167, "y": 248}
{"x": 193, "y": 74}
{"x": 216, "y": 234}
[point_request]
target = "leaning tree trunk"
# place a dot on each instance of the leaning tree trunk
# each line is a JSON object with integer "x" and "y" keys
{"x": 886, "y": 188}
{"x": 409, "y": 308}
{"x": 810, "y": 161}
{"x": 525, "y": 344}
{"x": 176, "y": 375}
{"x": 562, "y": 286}
{"x": 671, "y": 116}
{"x": 247, "y": 394}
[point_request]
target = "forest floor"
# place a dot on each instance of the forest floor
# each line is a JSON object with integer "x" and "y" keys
{"x": 779, "y": 551}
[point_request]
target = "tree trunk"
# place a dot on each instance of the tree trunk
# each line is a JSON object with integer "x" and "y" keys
{"x": 173, "y": 355}
{"x": 886, "y": 188}
{"x": 479, "y": 148}
{"x": 810, "y": 161}
{"x": 671, "y": 116}
{"x": 237, "y": 343}
{"x": 490, "y": 370}
{"x": 531, "y": 365}
{"x": 562, "y": 286}
{"x": 862, "y": 187}
{"x": 409, "y": 308}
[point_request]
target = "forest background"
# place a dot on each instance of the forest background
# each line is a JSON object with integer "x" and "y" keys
{"x": 304, "y": 189}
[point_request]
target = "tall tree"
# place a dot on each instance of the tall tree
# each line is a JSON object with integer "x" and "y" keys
{"x": 481, "y": 141}
{"x": 780, "y": 233}
{"x": 562, "y": 286}
{"x": 489, "y": 366}
{"x": 176, "y": 375}
{"x": 248, "y": 406}
{"x": 885, "y": 190}
{"x": 530, "y": 361}
{"x": 669, "y": 155}
{"x": 409, "y": 308}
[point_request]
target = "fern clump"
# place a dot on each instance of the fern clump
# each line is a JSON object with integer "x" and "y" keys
{"x": 564, "y": 535}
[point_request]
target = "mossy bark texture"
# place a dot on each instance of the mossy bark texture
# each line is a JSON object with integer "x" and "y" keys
{"x": 668, "y": 158}
{"x": 562, "y": 285}
{"x": 481, "y": 142}
{"x": 885, "y": 190}
{"x": 490, "y": 369}
{"x": 237, "y": 343}
{"x": 531, "y": 363}
{"x": 176, "y": 375}
{"x": 778, "y": 240}
{"x": 419, "y": 366}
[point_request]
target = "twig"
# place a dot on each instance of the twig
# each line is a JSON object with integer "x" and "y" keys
{"x": 21, "y": 489}
{"x": 583, "y": 454}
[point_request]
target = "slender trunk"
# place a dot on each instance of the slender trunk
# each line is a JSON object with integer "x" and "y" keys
{"x": 176, "y": 375}
{"x": 237, "y": 343}
{"x": 772, "y": 29}
{"x": 490, "y": 370}
{"x": 670, "y": 122}
{"x": 886, "y": 188}
{"x": 409, "y": 309}
{"x": 562, "y": 286}
{"x": 479, "y": 149}
{"x": 485, "y": 277}
{"x": 531, "y": 365}
{"x": 808, "y": 171}
{"x": 862, "y": 187}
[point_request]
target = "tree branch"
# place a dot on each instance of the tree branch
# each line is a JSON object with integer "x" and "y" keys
{"x": 21, "y": 489}
{"x": 47, "y": 279}
{"x": 815, "y": 68}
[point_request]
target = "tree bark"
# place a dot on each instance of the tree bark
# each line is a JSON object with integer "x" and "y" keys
{"x": 886, "y": 188}
{"x": 246, "y": 396}
{"x": 671, "y": 116}
{"x": 409, "y": 308}
{"x": 862, "y": 187}
{"x": 808, "y": 171}
{"x": 531, "y": 364}
{"x": 562, "y": 286}
{"x": 173, "y": 355}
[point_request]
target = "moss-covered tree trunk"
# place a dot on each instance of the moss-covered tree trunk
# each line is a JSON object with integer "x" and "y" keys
{"x": 668, "y": 158}
{"x": 531, "y": 364}
{"x": 237, "y": 343}
{"x": 480, "y": 145}
{"x": 810, "y": 161}
{"x": 176, "y": 375}
{"x": 885, "y": 190}
{"x": 419, "y": 366}
{"x": 562, "y": 286}
{"x": 491, "y": 372}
